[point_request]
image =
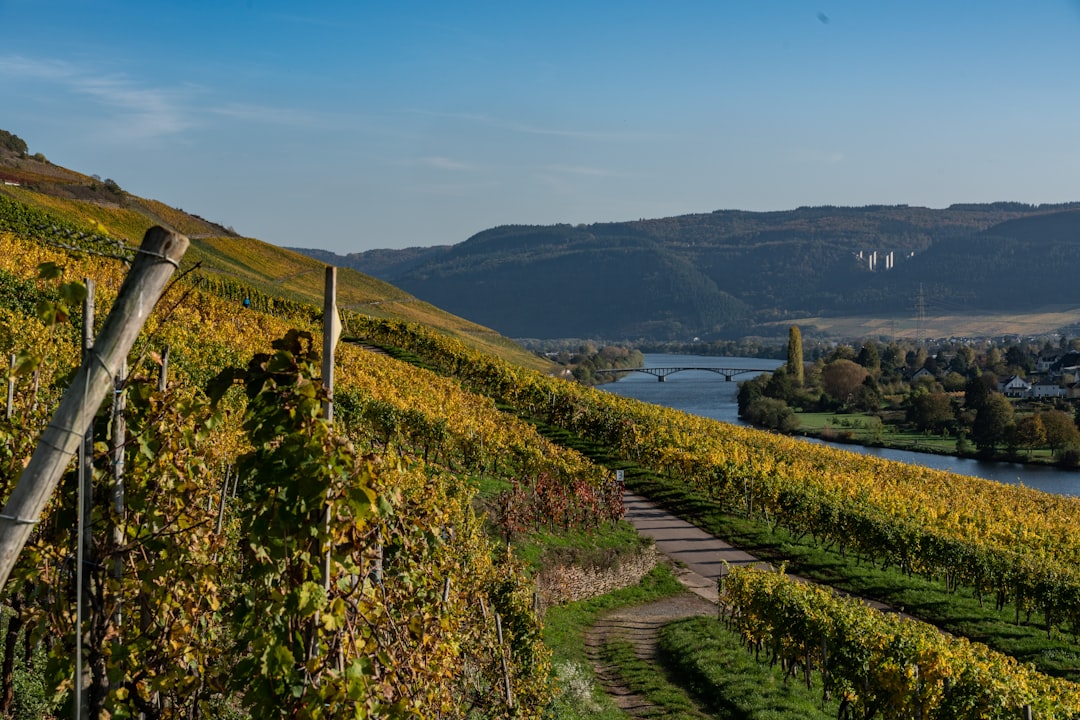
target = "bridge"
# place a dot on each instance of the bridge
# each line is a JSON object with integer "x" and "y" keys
{"x": 661, "y": 373}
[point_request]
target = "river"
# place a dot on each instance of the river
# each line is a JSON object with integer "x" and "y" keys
{"x": 710, "y": 395}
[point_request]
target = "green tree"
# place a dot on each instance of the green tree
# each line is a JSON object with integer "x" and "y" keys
{"x": 930, "y": 411}
{"x": 12, "y": 142}
{"x": 869, "y": 357}
{"x": 977, "y": 391}
{"x": 1030, "y": 433}
{"x": 892, "y": 359}
{"x": 1061, "y": 432}
{"x": 963, "y": 361}
{"x": 993, "y": 423}
{"x": 841, "y": 379}
{"x": 795, "y": 356}
{"x": 773, "y": 414}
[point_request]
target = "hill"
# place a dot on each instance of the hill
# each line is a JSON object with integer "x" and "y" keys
{"x": 729, "y": 273}
{"x": 103, "y": 208}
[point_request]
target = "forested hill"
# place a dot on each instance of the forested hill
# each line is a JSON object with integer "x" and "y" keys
{"x": 726, "y": 273}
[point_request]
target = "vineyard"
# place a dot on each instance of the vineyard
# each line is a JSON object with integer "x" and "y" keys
{"x": 1013, "y": 547}
{"x": 264, "y": 563}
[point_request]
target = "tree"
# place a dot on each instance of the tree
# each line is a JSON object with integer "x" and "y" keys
{"x": 963, "y": 361}
{"x": 930, "y": 411}
{"x": 915, "y": 359}
{"x": 892, "y": 359}
{"x": 773, "y": 414}
{"x": 12, "y": 142}
{"x": 994, "y": 362}
{"x": 869, "y": 357}
{"x": 993, "y": 423}
{"x": 841, "y": 379}
{"x": 1061, "y": 432}
{"x": 1018, "y": 360}
{"x": 1030, "y": 433}
{"x": 977, "y": 391}
{"x": 795, "y": 356}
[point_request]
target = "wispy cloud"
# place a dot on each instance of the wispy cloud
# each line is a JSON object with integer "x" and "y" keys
{"x": 531, "y": 129}
{"x": 445, "y": 163}
{"x": 136, "y": 111}
{"x": 263, "y": 114}
{"x": 582, "y": 170}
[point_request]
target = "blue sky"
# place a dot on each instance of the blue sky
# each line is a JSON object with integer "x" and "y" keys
{"x": 352, "y": 126}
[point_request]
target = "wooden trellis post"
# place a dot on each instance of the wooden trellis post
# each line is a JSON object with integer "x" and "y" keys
{"x": 157, "y": 258}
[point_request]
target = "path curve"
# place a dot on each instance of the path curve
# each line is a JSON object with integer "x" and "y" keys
{"x": 699, "y": 560}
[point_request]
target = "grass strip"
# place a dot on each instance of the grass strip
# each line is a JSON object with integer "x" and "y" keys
{"x": 729, "y": 683}
{"x": 578, "y": 696}
{"x": 647, "y": 681}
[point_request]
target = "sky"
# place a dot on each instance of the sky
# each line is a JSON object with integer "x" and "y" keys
{"x": 350, "y": 126}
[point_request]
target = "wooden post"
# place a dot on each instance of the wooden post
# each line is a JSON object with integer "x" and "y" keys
{"x": 84, "y": 531}
{"x": 117, "y": 444}
{"x": 11, "y": 388}
{"x": 163, "y": 376}
{"x": 221, "y": 504}
{"x": 331, "y": 331}
{"x": 158, "y": 257}
{"x": 505, "y": 668}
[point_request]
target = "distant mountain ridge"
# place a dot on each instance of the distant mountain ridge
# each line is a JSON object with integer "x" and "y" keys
{"x": 727, "y": 273}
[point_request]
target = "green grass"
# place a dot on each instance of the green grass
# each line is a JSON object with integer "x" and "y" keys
{"x": 729, "y": 683}
{"x": 601, "y": 546}
{"x": 578, "y": 696}
{"x": 647, "y": 681}
{"x": 702, "y": 667}
{"x": 862, "y": 428}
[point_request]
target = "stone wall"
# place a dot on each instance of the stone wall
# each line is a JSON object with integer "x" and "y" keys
{"x": 559, "y": 584}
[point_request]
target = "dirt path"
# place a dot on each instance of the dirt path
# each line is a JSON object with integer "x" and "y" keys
{"x": 638, "y": 625}
{"x": 699, "y": 561}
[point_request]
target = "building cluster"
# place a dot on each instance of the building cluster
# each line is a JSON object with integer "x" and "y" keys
{"x": 1057, "y": 375}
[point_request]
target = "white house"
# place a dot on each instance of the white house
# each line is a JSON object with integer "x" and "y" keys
{"x": 1047, "y": 388}
{"x": 1015, "y": 386}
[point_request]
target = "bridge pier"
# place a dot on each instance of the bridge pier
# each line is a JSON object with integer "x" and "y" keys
{"x": 661, "y": 378}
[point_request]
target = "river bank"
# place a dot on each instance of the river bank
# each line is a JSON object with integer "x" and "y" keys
{"x": 868, "y": 430}
{"x": 709, "y": 395}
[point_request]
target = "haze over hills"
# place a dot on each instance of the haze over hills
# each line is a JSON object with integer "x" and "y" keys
{"x": 730, "y": 273}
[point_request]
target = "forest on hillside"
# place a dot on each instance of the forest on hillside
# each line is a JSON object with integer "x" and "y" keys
{"x": 724, "y": 274}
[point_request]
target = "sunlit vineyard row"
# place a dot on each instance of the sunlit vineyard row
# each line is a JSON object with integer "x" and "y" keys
{"x": 1011, "y": 544}
{"x": 883, "y": 665}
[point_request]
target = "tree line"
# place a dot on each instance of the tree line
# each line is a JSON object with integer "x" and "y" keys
{"x": 948, "y": 390}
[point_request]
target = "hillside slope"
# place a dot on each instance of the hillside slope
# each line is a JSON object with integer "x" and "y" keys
{"x": 102, "y": 207}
